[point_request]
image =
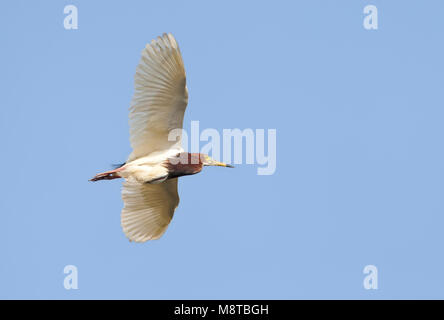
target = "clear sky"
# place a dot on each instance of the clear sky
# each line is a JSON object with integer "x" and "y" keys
{"x": 360, "y": 159}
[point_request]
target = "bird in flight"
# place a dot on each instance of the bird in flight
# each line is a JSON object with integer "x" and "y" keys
{"x": 158, "y": 105}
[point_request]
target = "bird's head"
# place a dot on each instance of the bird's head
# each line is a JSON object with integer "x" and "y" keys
{"x": 208, "y": 161}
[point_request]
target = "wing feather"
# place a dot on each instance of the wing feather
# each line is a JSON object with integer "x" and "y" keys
{"x": 148, "y": 209}
{"x": 160, "y": 98}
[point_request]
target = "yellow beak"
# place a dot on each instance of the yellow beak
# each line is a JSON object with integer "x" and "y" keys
{"x": 221, "y": 164}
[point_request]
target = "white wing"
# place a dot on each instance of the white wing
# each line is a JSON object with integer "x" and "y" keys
{"x": 148, "y": 209}
{"x": 160, "y": 98}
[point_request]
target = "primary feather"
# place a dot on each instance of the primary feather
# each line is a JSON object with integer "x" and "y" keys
{"x": 160, "y": 98}
{"x": 148, "y": 209}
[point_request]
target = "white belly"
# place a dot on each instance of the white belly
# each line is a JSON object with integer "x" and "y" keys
{"x": 149, "y": 169}
{"x": 144, "y": 173}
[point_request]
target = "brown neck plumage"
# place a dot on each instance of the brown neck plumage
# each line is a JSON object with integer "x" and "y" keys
{"x": 183, "y": 164}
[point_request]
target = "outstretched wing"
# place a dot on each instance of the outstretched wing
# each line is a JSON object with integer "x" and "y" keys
{"x": 160, "y": 98}
{"x": 148, "y": 209}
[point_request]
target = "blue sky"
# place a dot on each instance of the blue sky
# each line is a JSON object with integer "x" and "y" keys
{"x": 360, "y": 164}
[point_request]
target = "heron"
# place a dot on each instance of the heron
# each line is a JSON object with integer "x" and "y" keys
{"x": 151, "y": 171}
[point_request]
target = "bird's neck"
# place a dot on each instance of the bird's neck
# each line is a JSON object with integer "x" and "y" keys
{"x": 183, "y": 164}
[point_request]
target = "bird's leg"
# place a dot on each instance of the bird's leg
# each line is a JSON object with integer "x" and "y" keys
{"x": 107, "y": 175}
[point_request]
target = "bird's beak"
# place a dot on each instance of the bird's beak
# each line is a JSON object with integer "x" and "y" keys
{"x": 221, "y": 164}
